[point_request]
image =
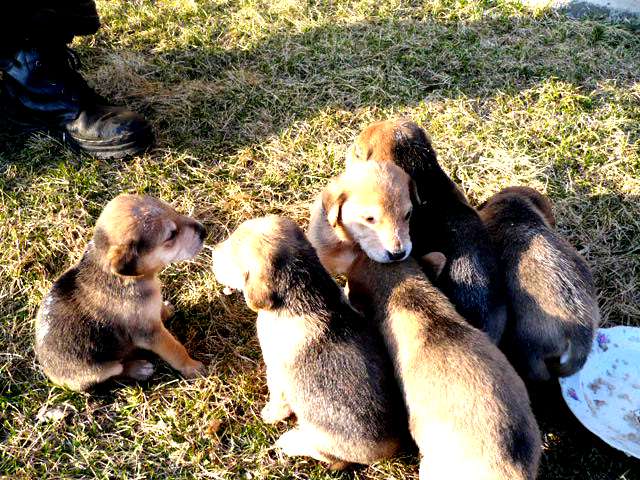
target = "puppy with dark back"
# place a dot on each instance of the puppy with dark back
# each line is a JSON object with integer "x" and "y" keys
{"x": 469, "y": 412}
{"x": 552, "y": 298}
{"x": 443, "y": 222}
{"x": 110, "y": 304}
{"x": 325, "y": 364}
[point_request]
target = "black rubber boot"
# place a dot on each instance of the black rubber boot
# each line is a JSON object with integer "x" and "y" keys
{"x": 42, "y": 89}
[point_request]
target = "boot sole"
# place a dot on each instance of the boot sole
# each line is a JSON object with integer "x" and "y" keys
{"x": 134, "y": 144}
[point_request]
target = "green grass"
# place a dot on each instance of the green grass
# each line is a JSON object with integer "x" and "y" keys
{"x": 254, "y": 103}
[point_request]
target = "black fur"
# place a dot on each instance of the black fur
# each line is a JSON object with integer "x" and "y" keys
{"x": 80, "y": 332}
{"x": 514, "y": 222}
{"x": 344, "y": 380}
{"x": 447, "y": 224}
{"x": 404, "y": 290}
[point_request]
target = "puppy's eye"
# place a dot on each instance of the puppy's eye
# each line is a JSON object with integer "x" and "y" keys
{"x": 172, "y": 234}
{"x": 408, "y": 215}
{"x": 370, "y": 220}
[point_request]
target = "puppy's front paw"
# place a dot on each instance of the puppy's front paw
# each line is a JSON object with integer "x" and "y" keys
{"x": 192, "y": 369}
{"x": 274, "y": 412}
{"x": 292, "y": 443}
{"x": 138, "y": 369}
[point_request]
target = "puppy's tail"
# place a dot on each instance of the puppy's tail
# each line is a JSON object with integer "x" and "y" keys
{"x": 575, "y": 354}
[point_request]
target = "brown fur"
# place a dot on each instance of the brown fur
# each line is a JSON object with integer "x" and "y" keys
{"x": 552, "y": 300}
{"x": 110, "y": 304}
{"x": 469, "y": 411}
{"x": 324, "y": 363}
{"x": 378, "y": 142}
{"x": 443, "y": 221}
{"x": 368, "y": 208}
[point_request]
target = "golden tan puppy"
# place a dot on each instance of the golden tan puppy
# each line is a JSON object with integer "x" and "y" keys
{"x": 549, "y": 285}
{"x": 110, "y": 304}
{"x": 469, "y": 411}
{"x": 369, "y": 206}
{"x": 444, "y": 222}
{"x": 325, "y": 364}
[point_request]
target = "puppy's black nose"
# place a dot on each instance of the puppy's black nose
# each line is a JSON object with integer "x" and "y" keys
{"x": 395, "y": 256}
{"x": 202, "y": 232}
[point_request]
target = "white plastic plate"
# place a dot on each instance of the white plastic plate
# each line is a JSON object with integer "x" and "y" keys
{"x": 605, "y": 394}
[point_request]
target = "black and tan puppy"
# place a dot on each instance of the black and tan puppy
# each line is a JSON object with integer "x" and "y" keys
{"x": 325, "y": 364}
{"x": 444, "y": 222}
{"x": 552, "y": 299}
{"x": 468, "y": 410}
{"x": 110, "y": 304}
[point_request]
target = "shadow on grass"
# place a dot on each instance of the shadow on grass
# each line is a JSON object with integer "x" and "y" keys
{"x": 208, "y": 98}
{"x": 572, "y": 451}
{"x": 212, "y": 100}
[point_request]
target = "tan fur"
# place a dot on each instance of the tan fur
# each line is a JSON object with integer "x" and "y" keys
{"x": 127, "y": 218}
{"x": 433, "y": 263}
{"x": 130, "y": 244}
{"x": 243, "y": 261}
{"x": 367, "y": 207}
{"x": 132, "y": 218}
{"x": 463, "y": 398}
{"x": 553, "y": 301}
{"x": 377, "y": 143}
{"x": 532, "y": 278}
{"x": 262, "y": 258}
{"x": 319, "y": 444}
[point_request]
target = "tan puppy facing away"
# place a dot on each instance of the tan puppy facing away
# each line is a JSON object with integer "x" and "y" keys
{"x": 553, "y": 304}
{"x": 110, "y": 304}
{"x": 325, "y": 364}
{"x": 369, "y": 206}
{"x": 469, "y": 411}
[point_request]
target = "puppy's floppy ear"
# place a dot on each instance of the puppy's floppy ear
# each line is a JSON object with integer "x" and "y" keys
{"x": 259, "y": 292}
{"x": 543, "y": 205}
{"x": 413, "y": 192}
{"x": 333, "y": 198}
{"x": 123, "y": 259}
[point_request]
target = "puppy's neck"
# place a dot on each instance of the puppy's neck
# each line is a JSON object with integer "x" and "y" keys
{"x": 435, "y": 186}
{"x": 303, "y": 288}
{"x": 419, "y": 160}
{"x": 291, "y": 326}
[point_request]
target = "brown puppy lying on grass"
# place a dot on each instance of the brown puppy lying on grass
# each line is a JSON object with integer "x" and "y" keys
{"x": 469, "y": 412}
{"x": 443, "y": 222}
{"x": 325, "y": 364}
{"x": 369, "y": 206}
{"x": 550, "y": 289}
{"x": 110, "y": 304}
